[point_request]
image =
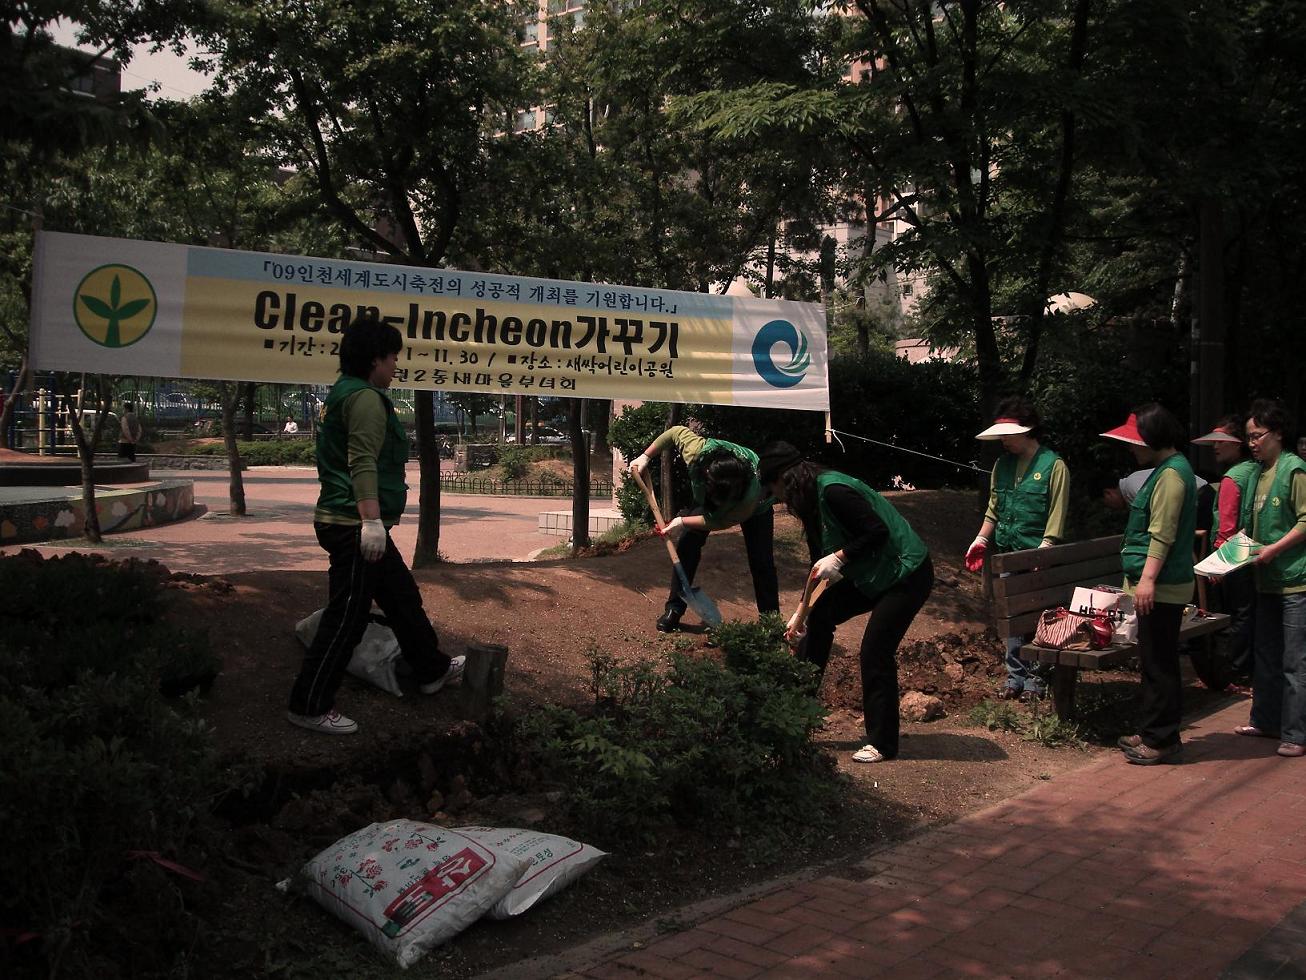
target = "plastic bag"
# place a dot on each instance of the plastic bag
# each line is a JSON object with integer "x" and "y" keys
{"x": 408, "y": 886}
{"x": 555, "y": 862}
{"x": 373, "y": 660}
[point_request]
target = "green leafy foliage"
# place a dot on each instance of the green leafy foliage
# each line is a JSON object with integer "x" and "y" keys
{"x": 722, "y": 746}
{"x": 273, "y": 452}
{"x": 98, "y": 767}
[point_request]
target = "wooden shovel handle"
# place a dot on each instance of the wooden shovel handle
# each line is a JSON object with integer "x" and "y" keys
{"x": 657, "y": 514}
{"x": 811, "y": 592}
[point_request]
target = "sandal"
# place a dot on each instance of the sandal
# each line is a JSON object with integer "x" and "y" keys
{"x": 868, "y": 753}
{"x": 1251, "y": 731}
{"x": 1129, "y": 741}
{"x": 1291, "y": 750}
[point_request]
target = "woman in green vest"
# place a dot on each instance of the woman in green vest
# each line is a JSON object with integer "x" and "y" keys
{"x": 1029, "y": 496}
{"x": 874, "y": 563}
{"x": 726, "y": 490}
{"x": 1278, "y": 522}
{"x": 1231, "y": 513}
{"x": 362, "y": 450}
{"x": 1158, "y": 565}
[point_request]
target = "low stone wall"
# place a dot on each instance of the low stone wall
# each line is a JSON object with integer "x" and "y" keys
{"x": 63, "y": 515}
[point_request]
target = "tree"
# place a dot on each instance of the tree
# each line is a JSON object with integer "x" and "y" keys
{"x": 389, "y": 105}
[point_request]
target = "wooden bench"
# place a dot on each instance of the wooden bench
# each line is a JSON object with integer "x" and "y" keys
{"x": 1045, "y": 578}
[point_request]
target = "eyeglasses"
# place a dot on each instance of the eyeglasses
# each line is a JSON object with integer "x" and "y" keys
{"x": 1257, "y": 436}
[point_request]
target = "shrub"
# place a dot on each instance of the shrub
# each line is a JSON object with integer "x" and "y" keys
{"x": 274, "y": 452}
{"x": 98, "y": 768}
{"x": 722, "y": 746}
{"x": 515, "y": 462}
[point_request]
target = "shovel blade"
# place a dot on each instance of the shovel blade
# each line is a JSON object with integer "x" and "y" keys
{"x": 703, "y": 607}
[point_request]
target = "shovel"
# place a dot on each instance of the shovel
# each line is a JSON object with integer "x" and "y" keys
{"x": 695, "y": 598}
{"x": 811, "y": 592}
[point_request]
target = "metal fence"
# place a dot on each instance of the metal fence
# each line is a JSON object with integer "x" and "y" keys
{"x": 518, "y": 488}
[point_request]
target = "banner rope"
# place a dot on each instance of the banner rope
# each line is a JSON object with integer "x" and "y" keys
{"x": 888, "y": 445}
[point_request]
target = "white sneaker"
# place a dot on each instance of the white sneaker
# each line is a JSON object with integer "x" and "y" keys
{"x": 331, "y": 723}
{"x": 868, "y": 753}
{"x": 456, "y": 667}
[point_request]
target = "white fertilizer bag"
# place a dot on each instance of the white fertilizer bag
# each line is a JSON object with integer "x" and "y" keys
{"x": 408, "y": 886}
{"x": 555, "y": 862}
{"x": 374, "y": 658}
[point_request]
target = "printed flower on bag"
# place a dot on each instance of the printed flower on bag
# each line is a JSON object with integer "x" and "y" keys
{"x": 413, "y": 842}
{"x": 380, "y": 885}
{"x": 390, "y": 844}
{"x": 370, "y": 868}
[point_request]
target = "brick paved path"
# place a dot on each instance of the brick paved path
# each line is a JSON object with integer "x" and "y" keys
{"x": 1112, "y": 870}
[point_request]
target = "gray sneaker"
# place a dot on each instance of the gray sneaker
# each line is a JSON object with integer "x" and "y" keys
{"x": 456, "y": 667}
{"x": 331, "y": 723}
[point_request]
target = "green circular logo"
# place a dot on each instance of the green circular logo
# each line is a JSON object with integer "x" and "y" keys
{"x": 115, "y": 305}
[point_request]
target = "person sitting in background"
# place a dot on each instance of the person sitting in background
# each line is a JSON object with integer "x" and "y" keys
{"x": 1028, "y": 499}
{"x": 291, "y": 427}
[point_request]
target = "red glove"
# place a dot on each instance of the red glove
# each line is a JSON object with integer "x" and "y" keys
{"x": 976, "y": 553}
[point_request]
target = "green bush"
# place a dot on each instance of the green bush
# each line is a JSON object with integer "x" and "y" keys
{"x": 273, "y": 452}
{"x": 515, "y": 461}
{"x": 97, "y": 768}
{"x": 722, "y": 746}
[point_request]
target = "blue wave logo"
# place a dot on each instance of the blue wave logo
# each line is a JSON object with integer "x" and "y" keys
{"x": 781, "y": 332}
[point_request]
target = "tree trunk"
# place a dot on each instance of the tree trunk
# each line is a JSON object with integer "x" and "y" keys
{"x": 580, "y": 481}
{"x": 600, "y": 412}
{"x": 236, "y": 484}
{"x": 675, "y": 413}
{"x": 86, "y": 456}
{"x": 249, "y": 410}
{"x": 11, "y": 402}
{"x": 1209, "y": 332}
{"x": 427, "y": 550}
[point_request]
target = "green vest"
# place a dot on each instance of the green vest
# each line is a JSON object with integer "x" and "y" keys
{"x": 1178, "y": 567}
{"x": 337, "y": 492}
{"x": 698, "y": 486}
{"x": 880, "y": 571}
{"x": 1244, "y": 474}
{"x": 1022, "y": 508}
{"x": 1275, "y": 519}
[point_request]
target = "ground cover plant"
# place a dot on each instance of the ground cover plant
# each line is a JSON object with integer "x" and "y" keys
{"x": 103, "y": 778}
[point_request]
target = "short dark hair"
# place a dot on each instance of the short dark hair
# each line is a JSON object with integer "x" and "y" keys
{"x": 1022, "y": 410}
{"x": 129, "y": 406}
{"x": 1270, "y": 413}
{"x": 1158, "y": 427}
{"x": 1234, "y": 425}
{"x": 726, "y": 478}
{"x": 364, "y": 341}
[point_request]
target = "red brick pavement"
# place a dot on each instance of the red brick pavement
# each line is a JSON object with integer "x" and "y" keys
{"x": 1109, "y": 871}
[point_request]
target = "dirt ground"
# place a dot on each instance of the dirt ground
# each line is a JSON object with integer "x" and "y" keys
{"x": 413, "y": 757}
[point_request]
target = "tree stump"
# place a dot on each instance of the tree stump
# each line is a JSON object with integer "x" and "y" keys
{"x": 483, "y": 678}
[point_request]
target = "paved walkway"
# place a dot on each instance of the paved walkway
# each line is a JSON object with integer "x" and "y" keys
{"x": 1112, "y": 870}
{"x": 278, "y": 533}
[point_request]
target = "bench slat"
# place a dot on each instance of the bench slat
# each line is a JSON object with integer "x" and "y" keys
{"x": 1061, "y": 554}
{"x": 1107, "y": 566}
{"x": 1055, "y": 587}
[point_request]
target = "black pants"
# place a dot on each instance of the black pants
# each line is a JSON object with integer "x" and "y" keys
{"x": 353, "y": 584}
{"x": 1236, "y": 595}
{"x": 127, "y": 450}
{"x": 759, "y": 544}
{"x": 1158, "y": 649}
{"x": 891, "y": 613}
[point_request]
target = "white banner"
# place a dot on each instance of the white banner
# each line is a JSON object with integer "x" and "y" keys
{"x": 115, "y": 306}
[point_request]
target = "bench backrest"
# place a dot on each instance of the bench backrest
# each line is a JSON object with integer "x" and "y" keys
{"x": 1043, "y": 578}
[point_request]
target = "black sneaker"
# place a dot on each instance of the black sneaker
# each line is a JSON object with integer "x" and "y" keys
{"x": 669, "y": 621}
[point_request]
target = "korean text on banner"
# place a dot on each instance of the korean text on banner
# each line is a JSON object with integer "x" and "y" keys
{"x": 130, "y": 307}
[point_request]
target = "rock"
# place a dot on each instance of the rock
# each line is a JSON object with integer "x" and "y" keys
{"x": 529, "y": 816}
{"x": 955, "y": 672}
{"x": 436, "y": 803}
{"x": 915, "y": 706}
{"x": 399, "y": 792}
{"x": 297, "y": 814}
{"x": 458, "y": 801}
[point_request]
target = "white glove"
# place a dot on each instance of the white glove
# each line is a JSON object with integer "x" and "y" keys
{"x": 828, "y": 569}
{"x": 675, "y": 524}
{"x": 793, "y": 635}
{"x": 373, "y": 541}
{"x": 639, "y": 465}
